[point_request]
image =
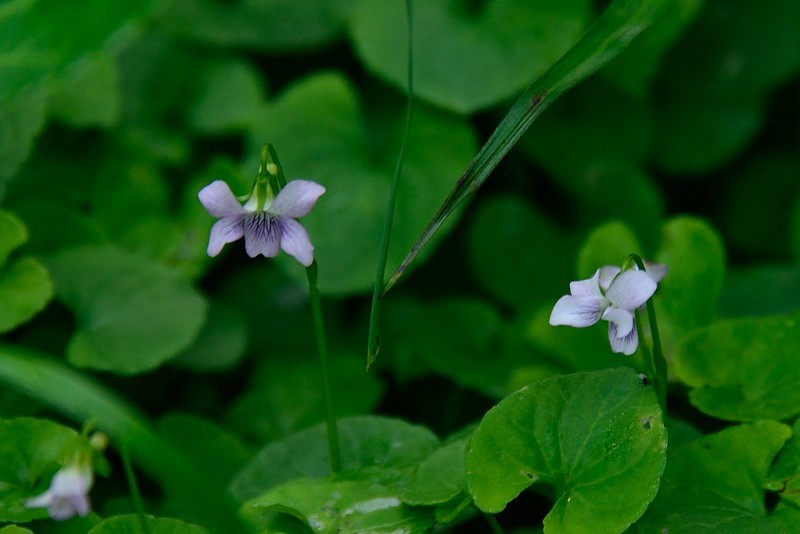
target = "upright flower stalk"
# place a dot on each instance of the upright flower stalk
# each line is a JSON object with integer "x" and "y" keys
{"x": 267, "y": 222}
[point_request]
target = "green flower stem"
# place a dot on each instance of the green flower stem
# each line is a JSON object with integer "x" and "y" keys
{"x": 135, "y": 493}
{"x": 374, "y": 342}
{"x": 322, "y": 349}
{"x": 493, "y": 524}
{"x": 654, "y": 360}
{"x": 74, "y": 395}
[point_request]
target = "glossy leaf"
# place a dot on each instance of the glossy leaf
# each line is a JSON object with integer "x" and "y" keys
{"x": 743, "y": 369}
{"x": 441, "y": 477}
{"x": 347, "y": 506}
{"x": 716, "y": 483}
{"x": 133, "y": 313}
{"x": 365, "y": 441}
{"x": 467, "y": 58}
{"x": 604, "y": 463}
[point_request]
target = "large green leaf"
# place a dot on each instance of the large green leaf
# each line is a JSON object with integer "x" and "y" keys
{"x": 22, "y": 117}
{"x": 598, "y": 438}
{"x": 366, "y": 442}
{"x": 743, "y": 369}
{"x": 31, "y": 451}
{"x": 467, "y": 58}
{"x": 25, "y": 289}
{"x": 133, "y": 313}
{"x": 440, "y": 477}
{"x": 715, "y": 484}
{"x": 784, "y": 477}
{"x": 607, "y": 244}
{"x": 315, "y": 127}
{"x": 220, "y": 344}
{"x": 131, "y": 524}
{"x": 13, "y": 233}
{"x": 87, "y": 92}
{"x": 346, "y": 507}
{"x": 761, "y": 290}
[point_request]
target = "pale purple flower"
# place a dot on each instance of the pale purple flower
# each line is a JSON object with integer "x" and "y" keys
{"x": 68, "y": 493}
{"x": 265, "y": 230}
{"x": 612, "y": 296}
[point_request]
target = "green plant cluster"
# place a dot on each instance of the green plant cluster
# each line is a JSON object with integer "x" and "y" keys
{"x": 671, "y": 130}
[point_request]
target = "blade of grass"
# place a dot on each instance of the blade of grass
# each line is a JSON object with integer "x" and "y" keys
{"x": 76, "y": 396}
{"x": 609, "y": 35}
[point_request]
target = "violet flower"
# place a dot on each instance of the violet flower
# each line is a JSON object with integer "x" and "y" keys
{"x": 266, "y": 222}
{"x": 68, "y": 493}
{"x": 613, "y": 296}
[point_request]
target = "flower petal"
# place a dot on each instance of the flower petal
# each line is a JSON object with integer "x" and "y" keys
{"x": 586, "y": 288}
{"x": 626, "y": 344}
{"x": 607, "y": 274}
{"x": 630, "y": 290}
{"x": 657, "y": 271}
{"x": 577, "y": 311}
{"x": 40, "y": 501}
{"x": 296, "y": 199}
{"x": 622, "y": 319}
{"x": 218, "y": 200}
{"x": 225, "y": 230}
{"x": 295, "y": 241}
{"x": 261, "y": 235}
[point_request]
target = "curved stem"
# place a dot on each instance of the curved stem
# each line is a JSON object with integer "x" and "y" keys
{"x": 135, "y": 493}
{"x": 322, "y": 349}
{"x": 374, "y": 341}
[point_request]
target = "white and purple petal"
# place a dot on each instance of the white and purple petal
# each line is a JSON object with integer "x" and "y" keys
{"x": 225, "y": 230}
{"x": 261, "y": 235}
{"x": 579, "y": 312}
{"x": 586, "y": 288}
{"x": 626, "y": 345}
{"x": 631, "y": 289}
{"x": 657, "y": 271}
{"x": 296, "y": 199}
{"x": 295, "y": 241}
{"x": 218, "y": 200}
{"x": 622, "y": 320}
{"x": 607, "y": 275}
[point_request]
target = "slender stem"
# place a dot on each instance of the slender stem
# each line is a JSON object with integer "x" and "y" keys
{"x": 657, "y": 365}
{"x": 134, "y": 488}
{"x": 374, "y": 342}
{"x": 493, "y": 523}
{"x": 322, "y": 349}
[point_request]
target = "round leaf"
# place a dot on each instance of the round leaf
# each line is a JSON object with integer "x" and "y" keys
{"x": 133, "y": 313}
{"x": 743, "y": 369}
{"x": 130, "y": 524}
{"x": 25, "y": 289}
{"x": 13, "y": 233}
{"x": 608, "y": 244}
{"x": 467, "y": 58}
{"x": 598, "y": 438}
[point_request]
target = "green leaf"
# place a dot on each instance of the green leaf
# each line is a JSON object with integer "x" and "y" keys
{"x": 761, "y": 290}
{"x": 743, "y": 369}
{"x": 209, "y": 444}
{"x": 687, "y": 297}
{"x": 130, "y": 524}
{"x": 597, "y": 438}
{"x": 517, "y": 254}
{"x": 31, "y": 451}
{"x": 277, "y": 25}
{"x": 22, "y": 117}
{"x": 230, "y": 97}
{"x": 467, "y": 58}
{"x": 14, "y": 529}
{"x": 87, "y": 92}
{"x": 25, "y": 289}
{"x": 620, "y": 23}
{"x": 285, "y": 395}
{"x": 356, "y": 167}
{"x": 13, "y": 233}
{"x": 133, "y": 313}
{"x": 784, "y": 477}
{"x": 365, "y": 441}
{"x": 608, "y": 244}
{"x": 220, "y": 344}
{"x": 440, "y": 477}
{"x": 339, "y": 506}
{"x": 715, "y": 483}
